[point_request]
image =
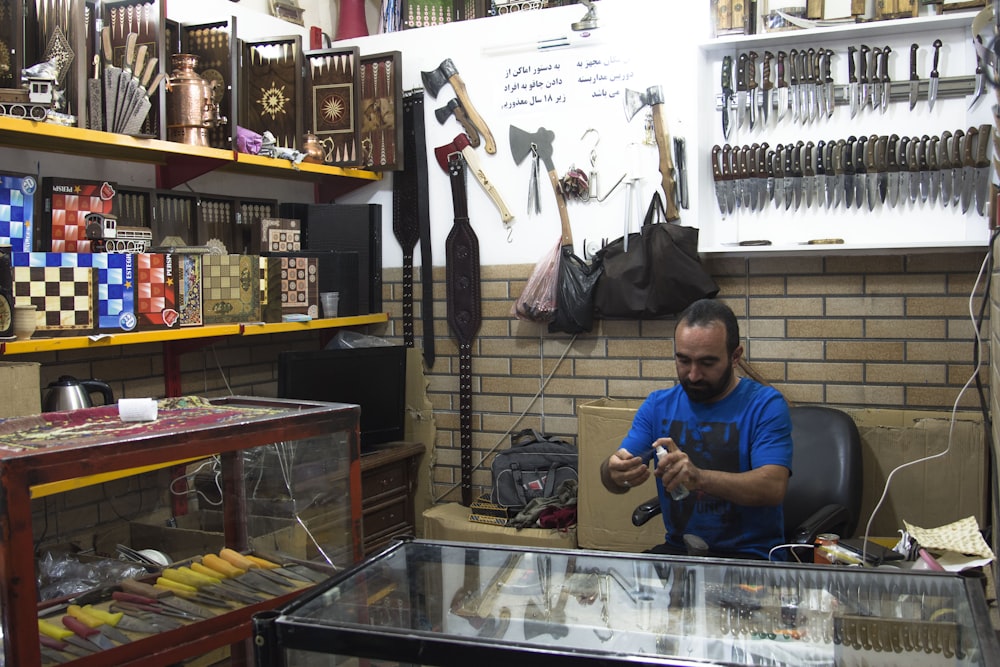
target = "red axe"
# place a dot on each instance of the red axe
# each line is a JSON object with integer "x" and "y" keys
{"x": 460, "y": 144}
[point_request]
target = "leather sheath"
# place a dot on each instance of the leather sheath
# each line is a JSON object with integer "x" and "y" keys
{"x": 411, "y": 221}
{"x": 464, "y": 308}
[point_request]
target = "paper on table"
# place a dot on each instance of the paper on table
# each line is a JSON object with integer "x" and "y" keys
{"x": 961, "y": 537}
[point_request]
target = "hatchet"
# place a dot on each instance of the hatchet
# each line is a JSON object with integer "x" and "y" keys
{"x": 446, "y": 72}
{"x": 634, "y": 102}
{"x": 454, "y": 107}
{"x": 539, "y": 143}
{"x": 461, "y": 144}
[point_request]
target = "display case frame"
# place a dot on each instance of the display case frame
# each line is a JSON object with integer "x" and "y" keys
{"x": 454, "y": 603}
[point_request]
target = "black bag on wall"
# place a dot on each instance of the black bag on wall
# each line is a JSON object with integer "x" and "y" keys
{"x": 660, "y": 274}
{"x": 533, "y": 467}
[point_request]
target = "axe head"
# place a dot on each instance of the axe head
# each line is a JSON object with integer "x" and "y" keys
{"x": 634, "y": 102}
{"x": 447, "y": 110}
{"x": 522, "y": 144}
{"x": 443, "y": 152}
{"x": 435, "y": 79}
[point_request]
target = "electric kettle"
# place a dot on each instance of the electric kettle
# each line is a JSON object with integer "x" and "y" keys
{"x": 68, "y": 393}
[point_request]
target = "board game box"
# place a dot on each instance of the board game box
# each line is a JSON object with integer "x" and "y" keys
{"x": 156, "y": 297}
{"x": 230, "y": 288}
{"x": 63, "y": 297}
{"x": 65, "y": 205}
{"x": 17, "y": 211}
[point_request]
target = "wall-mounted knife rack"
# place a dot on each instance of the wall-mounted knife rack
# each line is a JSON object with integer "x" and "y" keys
{"x": 899, "y": 91}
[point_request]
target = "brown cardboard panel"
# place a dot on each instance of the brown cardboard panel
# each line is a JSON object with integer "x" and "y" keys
{"x": 605, "y": 518}
{"x": 420, "y": 427}
{"x": 20, "y": 392}
{"x": 450, "y": 521}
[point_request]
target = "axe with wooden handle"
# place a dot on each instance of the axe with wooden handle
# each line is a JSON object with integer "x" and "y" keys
{"x": 522, "y": 144}
{"x": 446, "y": 72}
{"x": 462, "y": 145}
{"x": 634, "y": 101}
{"x": 455, "y": 108}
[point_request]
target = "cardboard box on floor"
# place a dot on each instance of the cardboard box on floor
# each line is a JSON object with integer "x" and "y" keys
{"x": 20, "y": 393}
{"x": 604, "y": 519}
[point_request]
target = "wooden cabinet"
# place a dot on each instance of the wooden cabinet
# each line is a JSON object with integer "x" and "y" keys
{"x": 55, "y": 452}
{"x": 388, "y": 481}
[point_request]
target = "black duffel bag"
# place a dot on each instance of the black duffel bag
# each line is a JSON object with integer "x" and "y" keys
{"x": 533, "y": 467}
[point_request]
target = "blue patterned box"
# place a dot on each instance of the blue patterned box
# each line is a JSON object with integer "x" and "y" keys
{"x": 17, "y": 211}
{"x": 115, "y": 303}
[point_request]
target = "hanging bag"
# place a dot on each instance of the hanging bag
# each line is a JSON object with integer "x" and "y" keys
{"x": 660, "y": 274}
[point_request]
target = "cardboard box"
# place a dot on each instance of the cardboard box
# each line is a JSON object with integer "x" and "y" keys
{"x": 156, "y": 286}
{"x": 450, "y": 521}
{"x": 230, "y": 288}
{"x": 63, "y": 296}
{"x": 604, "y": 519}
{"x": 189, "y": 303}
{"x": 66, "y": 203}
{"x": 20, "y": 390}
{"x": 17, "y": 211}
{"x": 276, "y": 235}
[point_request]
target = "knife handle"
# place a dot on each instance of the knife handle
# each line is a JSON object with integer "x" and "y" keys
{"x": 884, "y": 65}
{"x": 863, "y": 63}
{"x": 752, "y": 166}
{"x": 52, "y": 630}
{"x": 727, "y": 74}
{"x": 944, "y": 151}
{"x": 762, "y": 161}
{"x": 937, "y": 52}
{"x": 931, "y": 153}
{"x": 741, "y": 72}
{"x": 821, "y": 158}
{"x": 859, "y": 155}
{"x": 924, "y": 144}
{"x": 662, "y": 136}
{"x": 881, "y": 152}
{"x": 723, "y": 15}
{"x": 911, "y": 154}
{"x": 970, "y": 139}
{"x": 765, "y": 70}
{"x": 983, "y": 145}
{"x": 752, "y": 70}
{"x": 793, "y": 68}
{"x": 797, "y": 158}
{"x": 838, "y": 156}
{"x": 489, "y": 143}
{"x": 852, "y": 76}
{"x": 716, "y": 162}
{"x": 849, "y": 154}
{"x": 807, "y": 158}
{"x": 779, "y": 164}
{"x": 477, "y": 170}
{"x": 957, "y": 144}
{"x": 109, "y": 52}
{"x": 869, "y": 158}
{"x": 78, "y": 627}
{"x": 781, "y": 69}
{"x": 913, "y": 62}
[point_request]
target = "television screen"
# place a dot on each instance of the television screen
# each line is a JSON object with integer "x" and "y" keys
{"x": 371, "y": 377}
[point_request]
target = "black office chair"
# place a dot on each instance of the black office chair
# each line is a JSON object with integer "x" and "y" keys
{"x": 824, "y": 491}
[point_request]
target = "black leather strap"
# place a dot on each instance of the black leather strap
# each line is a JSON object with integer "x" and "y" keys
{"x": 411, "y": 220}
{"x": 464, "y": 308}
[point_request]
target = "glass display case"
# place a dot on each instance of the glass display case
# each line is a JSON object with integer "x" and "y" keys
{"x": 450, "y": 603}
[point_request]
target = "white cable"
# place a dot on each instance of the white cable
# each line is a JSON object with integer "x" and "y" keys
{"x": 214, "y": 462}
{"x": 517, "y": 421}
{"x": 221, "y": 372}
{"x": 791, "y": 548}
{"x": 954, "y": 411}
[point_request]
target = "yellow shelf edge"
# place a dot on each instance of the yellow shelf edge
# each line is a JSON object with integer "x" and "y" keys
{"x": 306, "y": 167}
{"x": 260, "y": 328}
{"x": 52, "y": 488}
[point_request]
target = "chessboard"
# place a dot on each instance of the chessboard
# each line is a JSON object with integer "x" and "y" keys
{"x": 63, "y": 297}
{"x": 230, "y": 288}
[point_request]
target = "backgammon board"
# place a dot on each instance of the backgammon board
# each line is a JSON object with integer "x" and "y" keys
{"x": 332, "y": 105}
{"x": 230, "y": 288}
{"x": 271, "y": 95}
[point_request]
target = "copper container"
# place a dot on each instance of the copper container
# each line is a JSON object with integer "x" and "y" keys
{"x": 191, "y": 105}
{"x": 313, "y": 149}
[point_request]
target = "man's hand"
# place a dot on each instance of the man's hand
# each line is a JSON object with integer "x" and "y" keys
{"x": 676, "y": 468}
{"x": 621, "y": 471}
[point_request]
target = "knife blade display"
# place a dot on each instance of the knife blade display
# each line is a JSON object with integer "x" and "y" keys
{"x": 885, "y": 78}
{"x": 913, "y": 167}
{"x": 860, "y": 172}
{"x": 932, "y": 87}
{"x": 778, "y": 167}
{"x": 876, "y": 80}
{"x": 808, "y": 173}
{"x": 838, "y": 170}
{"x": 793, "y": 86}
{"x": 923, "y": 168}
{"x": 881, "y": 166}
{"x": 753, "y": 100}
{"x": 729, "y": 176}
{"x": 782, "y": 89}
{"x": 719, "y": 178}
{"x": 849, "y": 171}
{"x": 743, "y": 176}
{"x": 914, "y": 79}
{"x": 904, "y": 169}
{"x": 741, "y": 89}
{"x": 766, "y": 86}
{"x": 753, "y": 181}
{"x": 852, "y": 81}
{"x": 812, "y": 98}
{"x": 797, "y": 173}
{"x": 788, "y": 175}
{"x": 933, "y": 169}
{"x": 871, "y": 172}
{"x": 892, "y": 167}
{"x": 865, "y": 94}
{"x": 980, "y": 79}
{"x": 957, "y": 146}
{"x": 968, "y": 168}
{"x": 828, "y": 82}
{"x": 727, "y": 94}
{"x": 759, "y": 166}
{"x": 767, "y": 164}
{"x": 946, "y": 168}
{"x": 821, "y": 178}
{"x": 92, "y": 635}
{"x": 984, "y": 142}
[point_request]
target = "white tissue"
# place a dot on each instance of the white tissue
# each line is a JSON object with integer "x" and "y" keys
{"x": 137, "y": 409}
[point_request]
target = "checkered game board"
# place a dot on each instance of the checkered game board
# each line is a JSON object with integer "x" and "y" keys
{"x": 63, "y": 296}
{"x": 230, "y": 288}
{"x": 68, "y": 217}
{"x": 17, "y": 207}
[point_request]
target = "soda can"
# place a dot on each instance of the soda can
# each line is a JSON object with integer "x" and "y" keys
{"x": 824, "y": 540}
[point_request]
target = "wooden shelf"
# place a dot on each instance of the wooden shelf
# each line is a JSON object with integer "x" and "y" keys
{"x": 177, "y": 162}
{"x": 245, "y": 329}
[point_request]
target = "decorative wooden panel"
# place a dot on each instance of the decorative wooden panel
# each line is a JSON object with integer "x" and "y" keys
{"x": 332, "y": 109}
{"x": 145, "y": 20}
{"x": 214, "y": 45}
{"x": 381, "y": 111}
{"x": 271, "y": 97}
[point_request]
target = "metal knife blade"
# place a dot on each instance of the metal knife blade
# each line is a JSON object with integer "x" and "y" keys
{"x": 885, "y": 78}
{"x": 741, "y": 89}
{"x": 852, "y": 81}
{"x": 914, "y": 79}
{"x": 904, "y": 170}
{"x": 729, "y": 170}
{"x": 933, "y": 170}
{"x": 719, "y": 178}
{"x": 969, "y": 168}
{"x": 783, "y": 99}
{"x": 984, "y": 142}
{"x": 797, "y": 173}
{"x": 838, "y": 170}
{"x": 913, "y": 167}
{"x": 788, "y": 176}
{"x": 742, "y": 175}
{"x": 860, "y": 171}
{"x": 793, "y": 78}
{"x": 924, "y": 168}
{"x": 876, "y": 85}
{"x": 828, "y": 82}
{"x": 762, "y": 169}
{"x": 957, "y": 145}
{"x": 752, "y": 87}
{"x": 808, "y": 173}
{"x": 980, "y": 79}
{"x": 871, "y": 172}
{"x": 945, "y": 167}
{"x": 892, "y": 167}
{"x": 769, "y": 169}
{"x": 821, "y": 179}
{"x": 727, "y": 94}
{"x": 932, "y": 88}
{"x": 766, "y": 86}
{"x": 778, "y": 167}
{"x": 849, "y": 171}
{"x": 881, "y": 166}
{"x": 865, "y": 95}
{"x": 755, "y": 184}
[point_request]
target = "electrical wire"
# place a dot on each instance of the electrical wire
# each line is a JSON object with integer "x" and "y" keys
{"x": 214, "y": 462}
{"x": 517, "y": 421}
{"x": 987, "y": 261}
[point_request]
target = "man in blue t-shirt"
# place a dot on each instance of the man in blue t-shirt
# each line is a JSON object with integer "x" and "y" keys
{"x": 727, "y": 440}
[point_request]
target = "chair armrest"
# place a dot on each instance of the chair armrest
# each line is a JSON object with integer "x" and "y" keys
{"x": 645, "y": 511}
{"x": 827, "y": 519}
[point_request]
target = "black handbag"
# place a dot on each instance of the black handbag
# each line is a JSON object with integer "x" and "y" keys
{"x": 660, "y": 274}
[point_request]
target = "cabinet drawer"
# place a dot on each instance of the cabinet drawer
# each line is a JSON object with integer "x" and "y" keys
{"x": 386, "y": 479}
{"x": 385, "y": 517}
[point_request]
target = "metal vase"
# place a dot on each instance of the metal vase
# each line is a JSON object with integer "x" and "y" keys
{"x": 191, "y": 106}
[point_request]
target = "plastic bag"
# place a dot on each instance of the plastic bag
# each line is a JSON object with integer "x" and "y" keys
{"x": 575, "y": 293}
{"x": 537, "y": 302}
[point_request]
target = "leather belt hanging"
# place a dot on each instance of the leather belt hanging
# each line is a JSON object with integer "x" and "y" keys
{"x": 464, "y": 308}
{"x": 411, "y": 221}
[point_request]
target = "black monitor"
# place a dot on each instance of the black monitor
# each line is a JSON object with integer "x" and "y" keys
{"x": 372, "y": 377}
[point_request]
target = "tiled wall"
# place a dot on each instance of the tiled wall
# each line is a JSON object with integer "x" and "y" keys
{"x": 889, "y": 331}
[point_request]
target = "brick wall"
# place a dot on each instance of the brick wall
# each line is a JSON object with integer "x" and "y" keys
{"x": 863, "y": 331}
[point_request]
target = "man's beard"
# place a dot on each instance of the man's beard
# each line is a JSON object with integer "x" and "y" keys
{"x": 703, "y": 392}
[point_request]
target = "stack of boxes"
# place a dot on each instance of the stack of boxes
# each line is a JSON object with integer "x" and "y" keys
{"x": 79, "y": 292}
